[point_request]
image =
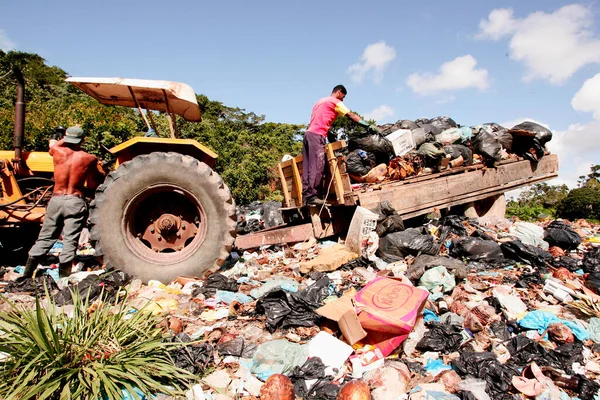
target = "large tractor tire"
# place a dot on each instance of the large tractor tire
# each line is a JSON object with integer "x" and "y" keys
{"x": 163, "y": 215}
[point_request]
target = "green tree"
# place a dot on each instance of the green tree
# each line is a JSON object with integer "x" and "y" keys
{"x": 537, "y": 199}
{"x": 584, "y": 201}
{"x": 248, "y": 148}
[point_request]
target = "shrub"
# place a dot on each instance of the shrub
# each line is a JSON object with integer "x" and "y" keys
{"x": 97, "y": 353}
{"x": 581, "y": 203}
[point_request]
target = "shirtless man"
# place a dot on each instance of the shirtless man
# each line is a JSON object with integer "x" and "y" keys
{"x": 67, "y": 210}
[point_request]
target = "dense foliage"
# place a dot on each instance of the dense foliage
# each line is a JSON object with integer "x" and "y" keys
{"x": 559, "y": 201}
{"x": 583, "y": 202}
{"x": 248, "y": 147}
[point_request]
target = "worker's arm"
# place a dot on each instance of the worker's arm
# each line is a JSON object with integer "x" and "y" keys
{"x": 356, "y": 118}
{"x": 96, "y": 174}
{"x": 54, "y": 142}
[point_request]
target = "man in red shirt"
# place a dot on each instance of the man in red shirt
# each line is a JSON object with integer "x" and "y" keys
{"x": 313, "y": 154}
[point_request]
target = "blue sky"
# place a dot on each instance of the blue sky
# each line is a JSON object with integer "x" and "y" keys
{"x": 471, "y": 60}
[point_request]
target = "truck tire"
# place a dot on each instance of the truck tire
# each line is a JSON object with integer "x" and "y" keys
{"x": 163, "y": 215}
{"x": 493, "y": 206}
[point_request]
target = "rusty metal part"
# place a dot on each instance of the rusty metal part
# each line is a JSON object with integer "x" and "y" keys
{"x": 165, "y": 220}
{"x": 19, "y": 130}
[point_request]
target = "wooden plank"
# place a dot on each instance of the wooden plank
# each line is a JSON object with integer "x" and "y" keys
{"x": 297, "y": 181}
{"x": 284, "y": 187}
{"x": 337, "y": 184}
{"x": 461, "y": 188}
{"x": 290, "y": 234}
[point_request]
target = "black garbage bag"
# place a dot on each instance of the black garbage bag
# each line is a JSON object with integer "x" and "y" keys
{"x": 386, "y": 129}
{"x": 486, "y": 145}
{"x": 453, "y": 224}
{"x": 237, "y": 347}
{"x": 407, "y": 124}
{"x": 500, "y": 330}
{"x": 570, "y": 263}
{"x": 558, "y": 233}
{"x": 542, "y": 134}
{"x": 443, "y": 123}
{"x": 459, "y": 150}
{"x": 518, "y": 251}
{"x": 313, "y": 368}
{"x": 495, "y": 127}
{"x": 476, "y": 249}
{"x": 285, "y": 309}
{"x": 395, "y": 246}
{"x": 194, "y": 358}
{"x": 92, "y": 286}
{"x": 592, "y": 281}
{"x": 362, "y": 261}
{"x": 424, "y": 262}
{"x": 244, "y": 226}
{"x": 505, "y": 139}
{"x": 271, "y": 214}
{"x": 420, "y": 136}
{"x": 591, "y": 260}
{"x": 377, "y": 144}
{"x": 432, "y": 129}
{"x": 528, "y": 147}
{"x": 422, "y": 121}
{"x": 318, "y": 291}
{"x": 360, "y": 162}
{"x": 388, "y": 220}
{"x": 529, "y": 280}
{"x": 30, "y": 285}
{"x": 216, "y": 282}
{"x": 484, "y": 365}
{"x": 393, "y": 223}
{"x": 444, "y": 338}
{"x": 523, "y": 351}
{"x": 587, "y": 389}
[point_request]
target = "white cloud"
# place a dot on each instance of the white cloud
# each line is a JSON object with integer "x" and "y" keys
{"x": 5, "y": 43}
{"x": 380, "y": 113}
{"x": 588, "y": 97}
{"x": 459, "y": 73}
{"x": 374, "y": 60}
{"x": 553, "y": 46}
{"x": 500, "y": 22}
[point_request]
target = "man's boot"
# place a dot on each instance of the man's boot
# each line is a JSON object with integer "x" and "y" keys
{"x": 64, "y": 269}
{"x": 30, "y": 267}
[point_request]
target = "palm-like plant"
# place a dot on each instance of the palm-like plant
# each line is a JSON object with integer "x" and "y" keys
{"x": 97, "y": 353}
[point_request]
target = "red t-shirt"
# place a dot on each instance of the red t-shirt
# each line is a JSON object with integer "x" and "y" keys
{"x": 323, "y": 114}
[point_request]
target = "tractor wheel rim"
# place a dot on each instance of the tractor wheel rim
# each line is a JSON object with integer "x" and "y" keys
{"x": 164, "y": 223}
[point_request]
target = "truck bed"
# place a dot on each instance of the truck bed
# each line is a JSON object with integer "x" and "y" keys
{"x": 411, "y": 197}
{"x": 422, "y": 193}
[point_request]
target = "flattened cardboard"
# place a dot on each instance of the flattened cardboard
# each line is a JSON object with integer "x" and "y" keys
{"x": 342, "y": 311}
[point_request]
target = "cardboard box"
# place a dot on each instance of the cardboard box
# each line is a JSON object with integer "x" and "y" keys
{"x": 402, "y": 141}
{"x": 383, "y": 313}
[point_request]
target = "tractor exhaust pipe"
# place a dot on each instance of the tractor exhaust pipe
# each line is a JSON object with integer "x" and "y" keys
{"x": 19, "y": 131}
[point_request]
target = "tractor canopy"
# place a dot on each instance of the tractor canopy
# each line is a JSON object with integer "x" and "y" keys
{"x": 170, "y": 97}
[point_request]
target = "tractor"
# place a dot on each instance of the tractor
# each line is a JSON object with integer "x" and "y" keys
{"x": 162, "y": 212}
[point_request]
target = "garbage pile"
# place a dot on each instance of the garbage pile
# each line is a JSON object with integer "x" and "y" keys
{"x": 454, "y": 309}
{"x": 257, "y": 216}
{"x": 409, "y": 148}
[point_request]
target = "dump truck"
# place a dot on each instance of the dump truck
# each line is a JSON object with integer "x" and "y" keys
{"x": 162, "y": 212}
{"x": 475, "y": 191}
